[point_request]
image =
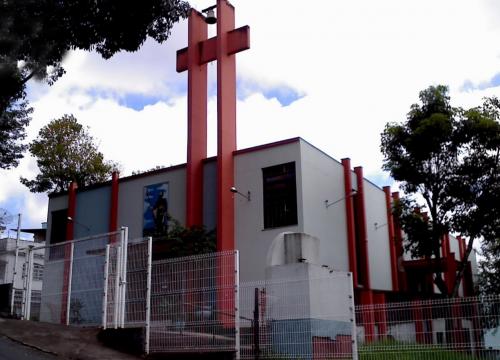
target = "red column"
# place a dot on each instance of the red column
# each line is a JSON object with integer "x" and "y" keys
{"x": 349, "y": 215}
{"x": 419, "y": 323}
{"x": 70, "y": 225}
{"x": 380, "y": 314}
{"x": 398, "y": 242}
{"x": 368, "y": 314}
{"x": 451, "y": 271}
{"x": 362, "y": 236}
{"x": 113, "y": 209}
{"x": 197, "y": 119}
{"x": 67, "y": 248}
{"x": 226, "y": 127}
{"x": 392, "y": 243}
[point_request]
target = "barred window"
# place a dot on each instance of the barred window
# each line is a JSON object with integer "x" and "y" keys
{"x": 38, "y": 272}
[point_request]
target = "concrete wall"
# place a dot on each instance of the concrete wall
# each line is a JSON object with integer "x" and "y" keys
{"x": 131, "y": 199}
{"x": 323, "y": 179}
{"x": 252, "y": 239}
{"x": 378, "y": 237}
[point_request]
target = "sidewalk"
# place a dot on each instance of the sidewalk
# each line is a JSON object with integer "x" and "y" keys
{"x": 67, "y": 342}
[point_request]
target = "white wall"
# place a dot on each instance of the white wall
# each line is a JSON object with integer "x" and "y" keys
{"x": 131, "y": 199}
{"x": 323, "y": 179}
{"x": 251, "y": 238}
{"x": 379, "y": 254}
{"x": 454, "y": 247}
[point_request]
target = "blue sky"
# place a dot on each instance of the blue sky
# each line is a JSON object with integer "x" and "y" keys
{"x": 332, "y": 72}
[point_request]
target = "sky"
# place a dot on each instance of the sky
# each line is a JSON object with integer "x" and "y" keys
{"x": 332, "y": 72}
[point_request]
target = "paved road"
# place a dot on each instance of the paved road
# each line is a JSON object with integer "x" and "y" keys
{"x": 10, "y": 350}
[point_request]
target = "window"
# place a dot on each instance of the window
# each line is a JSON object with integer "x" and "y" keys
{"x": 3, "y": 269}
{"x": 38, "y": 272}
{"x": 280, "y": 195}
{"x": 58, "y": 226}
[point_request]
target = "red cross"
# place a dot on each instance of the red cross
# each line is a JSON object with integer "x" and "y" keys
{"x": 194, "y": 58}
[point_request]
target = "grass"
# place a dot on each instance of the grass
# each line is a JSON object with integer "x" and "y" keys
{"x": 392, "y": 350}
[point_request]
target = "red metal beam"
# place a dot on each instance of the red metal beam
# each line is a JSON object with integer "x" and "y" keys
{"x": 197, "y": 119}
{"x": 237, "y": 40}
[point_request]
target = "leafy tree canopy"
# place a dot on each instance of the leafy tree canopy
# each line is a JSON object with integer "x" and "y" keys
{"x": 13, "y": 122}
{"x": 450, "y": 157}
{"x": 35, "y": 35}
{"x": 65, "y": 152}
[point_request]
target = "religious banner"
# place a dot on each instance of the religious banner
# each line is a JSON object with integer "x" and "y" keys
{"x": 155, "y": 215}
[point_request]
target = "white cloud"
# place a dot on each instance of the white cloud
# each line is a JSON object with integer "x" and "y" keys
{"x": 359, "y": 64}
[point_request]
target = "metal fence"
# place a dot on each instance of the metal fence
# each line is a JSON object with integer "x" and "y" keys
{"x": 300, "y": 318}
{"x": 127, "y": 277}
{"x": 458, "y": 328}
{"x": 194, "y": 304}
{"x": 68, "y": 289}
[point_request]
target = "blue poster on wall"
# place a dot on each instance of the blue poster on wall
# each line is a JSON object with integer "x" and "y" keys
{"x": 155, "y": 215}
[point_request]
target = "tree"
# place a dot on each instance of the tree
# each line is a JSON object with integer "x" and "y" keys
{"x": 184, "y": 241}
{"x": 65, "y": 152}
{"x": 35, "y": 35}
{"x": 449, "y": 157}
{"x": 13, "y": 122}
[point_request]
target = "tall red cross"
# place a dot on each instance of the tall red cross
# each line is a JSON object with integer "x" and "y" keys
{"x": 194, "y": 59}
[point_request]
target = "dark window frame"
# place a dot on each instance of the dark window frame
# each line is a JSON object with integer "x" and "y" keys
{"x": 280, "y": 195}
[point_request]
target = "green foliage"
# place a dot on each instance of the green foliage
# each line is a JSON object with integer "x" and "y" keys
{"x": 185, "y": 241}
{"x": 13, "y": 121}
{"x": 450, "y": 158}
{"x": 35, "y": 35}
{"x": 65, "y": 152}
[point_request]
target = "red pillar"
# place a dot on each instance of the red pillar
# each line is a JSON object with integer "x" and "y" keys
{"x": 113, "y": 209}
{"x": 70, "y": 225}
{"x": 368, "y": 314}
{"x": 392, "y": 243}
{"x": 67, "y": 248}
{"x": 197, "y": 118}
{"x": 418, "y": 318}
{"x": 398, "y": 241}
{"x": 226, "y": 127}
{"x": 349, "y": 215}
{"x": 380, "y": 314}
{"x": 362, "y": 236}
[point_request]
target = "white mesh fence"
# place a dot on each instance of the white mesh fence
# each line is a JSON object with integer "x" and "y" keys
{"x": 458, "y": 328}
{"x": 69, "y": 286}
{"x": 301, "y": 318}
{"x": 194, "y": 304}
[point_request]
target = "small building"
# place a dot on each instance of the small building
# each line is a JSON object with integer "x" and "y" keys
{"x": 14, "y": 282}
{"x": 286, "y": 186}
